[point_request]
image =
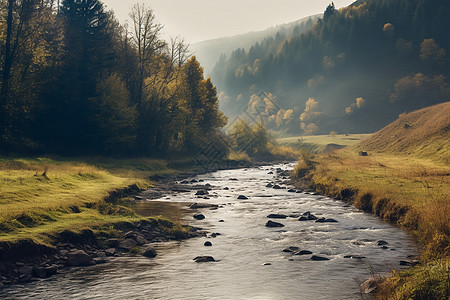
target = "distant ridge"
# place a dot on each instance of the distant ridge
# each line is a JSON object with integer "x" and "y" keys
{"x": 208, "y": 52}
{"x": 423, "y": 133}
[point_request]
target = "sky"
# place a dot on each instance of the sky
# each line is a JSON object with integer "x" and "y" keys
{"x": 199, "y": 20}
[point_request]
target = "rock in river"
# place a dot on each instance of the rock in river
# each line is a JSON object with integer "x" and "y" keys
{"x": 354, "y": 256}
{"x": 291, "y": 249}
{"x": 303, "y": 252}
{"x": 201, "y": 193}
{"x": 325, "y": 220}
{"x": 149, "y": 252}
{"x": 202, "y": 259}
{"x": 382, "y": 243}
{"x": 312, "y": 217}
{"x": 277, "y": 187}
{"x": 277, "y": 216}
{"x": 199, "y": 216}
{"x": 207, "y": 244}
{"x": 242, "y": 197}
{"x": 273, "y": 224}
{"x": 318, "y": 258}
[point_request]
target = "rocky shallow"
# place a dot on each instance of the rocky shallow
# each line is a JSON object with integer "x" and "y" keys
{"x": 25, "y": 261}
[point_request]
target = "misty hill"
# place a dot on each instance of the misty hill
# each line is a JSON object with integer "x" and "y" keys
{"x": 355, "y": 71}
{"x": 209, "y": 52}
{"x": 423, "y": 133}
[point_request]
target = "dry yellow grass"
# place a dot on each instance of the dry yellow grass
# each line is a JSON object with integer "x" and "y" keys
{"x": 406, "y": 179}
{"x": 423, "y": 185}
{"x": 423, "y": 133}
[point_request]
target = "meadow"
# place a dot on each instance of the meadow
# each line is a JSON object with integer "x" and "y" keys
{"x": 319, "y": 143}
{"x": 40, "y": 196}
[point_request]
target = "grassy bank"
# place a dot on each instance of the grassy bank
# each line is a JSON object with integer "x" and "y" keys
{"x": 40, "y": 197}
{"x": 410, "y": 191}
{"x": 404, "y": 179}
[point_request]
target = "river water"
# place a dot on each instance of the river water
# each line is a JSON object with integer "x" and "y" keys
{"x": 250, "y": 263}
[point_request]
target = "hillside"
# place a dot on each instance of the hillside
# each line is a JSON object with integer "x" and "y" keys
{"x": 355, "y": 71}
{"x": 209, "y": 52}
{"x": 423, "y": 133}
{"x": 404, "y": 179}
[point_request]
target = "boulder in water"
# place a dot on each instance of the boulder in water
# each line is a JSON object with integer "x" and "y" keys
{"x": 312, "y": 217}
{"x": 199, "y": 216}
{"x": 202, "y": 259}
{"x": 149, "y": 252}
{"x": 325, "y": 220}
{"x": 291, "y": 249}
{"x": 242, "y": 197}
{"x": 354, "y": 256}
{"x": 273, "y": 224}
{"x": 277, "y": 216}
{"x": 303, "y": 252}
{"x": 318, "y": 258}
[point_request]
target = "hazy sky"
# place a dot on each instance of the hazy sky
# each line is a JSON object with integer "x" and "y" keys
{"x": 199, "y": 20}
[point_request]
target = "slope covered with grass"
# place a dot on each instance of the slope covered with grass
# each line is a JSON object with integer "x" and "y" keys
{"x": 404, "y": 179}
{"x": 423, "y": 133}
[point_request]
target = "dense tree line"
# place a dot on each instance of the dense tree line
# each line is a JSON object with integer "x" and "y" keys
{"x": 362, "y": 65}
{"x": 75, "y": 81}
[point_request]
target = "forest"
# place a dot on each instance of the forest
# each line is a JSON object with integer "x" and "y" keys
{"x": 355, "y": 71}
{"x": 74, "y": 81}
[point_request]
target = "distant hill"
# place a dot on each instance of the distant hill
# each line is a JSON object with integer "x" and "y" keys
{"x": 355, "y": 71}
{"x": 209, "y": 52}
{"x": 423, "y": 133}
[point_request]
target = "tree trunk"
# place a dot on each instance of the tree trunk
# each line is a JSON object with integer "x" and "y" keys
{"x": 6, "y": 74}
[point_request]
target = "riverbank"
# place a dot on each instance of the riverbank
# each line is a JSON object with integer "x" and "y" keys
{"x": 44, "y": 201}
{"x": 50, "y": 208}
{"x": 410, "y": 191}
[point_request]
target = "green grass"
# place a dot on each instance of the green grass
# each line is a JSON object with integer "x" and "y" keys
{"x": 40, "y": 196}
{"x": 319, "y": 142}
{"x": 415, "y": 283}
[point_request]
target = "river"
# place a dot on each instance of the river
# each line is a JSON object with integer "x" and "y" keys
{"x": 250, "y": 262}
